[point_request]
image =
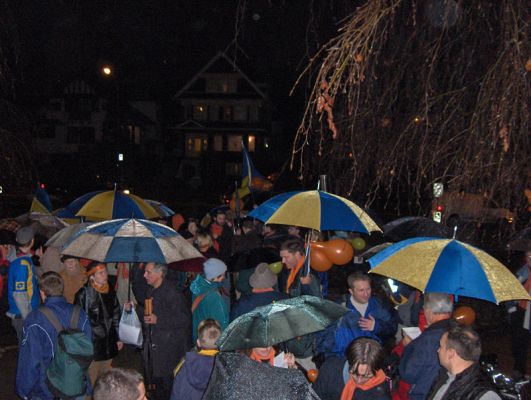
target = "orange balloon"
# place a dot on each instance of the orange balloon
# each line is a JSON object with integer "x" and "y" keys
{"x": 464, "y": 315}
{"x": 318, "y": 245}
{"x": 339, "y": 251}
{"x": 319, "y": 261}
{"x": 312, "y": 375}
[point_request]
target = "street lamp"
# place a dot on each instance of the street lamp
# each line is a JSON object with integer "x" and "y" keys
{"x": 106, "y": 70}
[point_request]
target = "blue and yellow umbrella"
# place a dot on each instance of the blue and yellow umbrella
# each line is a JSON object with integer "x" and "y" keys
{"x": 315, "y": 209}
{"x": 448, "y": 266}
{"x": 107, "y": 205}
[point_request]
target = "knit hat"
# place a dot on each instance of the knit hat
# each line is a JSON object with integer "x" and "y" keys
{"x": 262, "y": 277}
{"x": 213, "y": 268}
{"x": 25, "y": 235}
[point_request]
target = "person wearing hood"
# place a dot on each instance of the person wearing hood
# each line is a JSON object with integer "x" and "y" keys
{"x": 207, "y": 300}
{"x": 358, "y": 377}
{"x": 74, "y": 277}
{"x": 193, "y": 372}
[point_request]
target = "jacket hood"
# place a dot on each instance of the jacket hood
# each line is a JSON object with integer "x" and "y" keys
{"x": 198, "y": 369}
{"x": 200, "y": 285}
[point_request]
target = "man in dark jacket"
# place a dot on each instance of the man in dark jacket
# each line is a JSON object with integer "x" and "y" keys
{"x": 297, "y": 281}
{"x": 419, "y": 365}
{"x": 99, "y": 301}
{"x": 40, "y": 338}
{"x": 193, "y": 372}
{"x": 167, "y": 330}
{"x": 263, "y": 281}
{"x": 459, "y": 352}
{"x": 368, "y": 317}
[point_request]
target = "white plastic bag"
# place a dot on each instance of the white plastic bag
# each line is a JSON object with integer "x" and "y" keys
{"x": 130, "y": 330}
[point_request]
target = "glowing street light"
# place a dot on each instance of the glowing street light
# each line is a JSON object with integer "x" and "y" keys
{"x": 107, "y": 71}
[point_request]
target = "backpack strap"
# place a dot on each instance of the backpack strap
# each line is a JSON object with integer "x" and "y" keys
{"x": 52, "y": 318}
{"x": 74, "y": 319}
{"x": 197, "y": 300}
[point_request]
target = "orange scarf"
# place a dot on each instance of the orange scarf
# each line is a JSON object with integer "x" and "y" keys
{"x": 269, "y": 358}
{"x": 351, "y": 386}
{"x": 293, "y": 274}
{"x": 264, "y": 290}
{"x": 100, "y": 288}
{"x": 527, "y": 285}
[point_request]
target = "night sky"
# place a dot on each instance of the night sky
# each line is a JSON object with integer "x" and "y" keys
{"x": 156, "y": 46}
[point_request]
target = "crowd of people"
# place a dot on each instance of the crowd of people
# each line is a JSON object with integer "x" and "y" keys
{"x": 363, "y": 355}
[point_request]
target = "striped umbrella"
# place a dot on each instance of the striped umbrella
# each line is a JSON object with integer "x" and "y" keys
{"x": 107, "y": 205}
{"x": 315, "y": 209}
{"x": 448, "y": 266}
{"x": 130, "y": 240}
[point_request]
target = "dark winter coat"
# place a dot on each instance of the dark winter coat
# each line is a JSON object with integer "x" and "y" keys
{"x": 332, "y": 378}
{"x": 251, "y": 301}
{"x": 103, "y": 311}
{"x": 468, "y": 385}
{"x": 419, "y": 365}
{"x": 167, "y": 341}
{"x": 192, "y": 378}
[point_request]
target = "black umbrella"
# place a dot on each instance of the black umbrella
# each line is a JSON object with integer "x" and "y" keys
{"x": 410, "y": 227}
{"x": 236, "y": 376}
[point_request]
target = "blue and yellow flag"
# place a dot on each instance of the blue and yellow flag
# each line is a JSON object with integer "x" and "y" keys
{"x": 41, "y": 201}
{"x": 248, "y": 173}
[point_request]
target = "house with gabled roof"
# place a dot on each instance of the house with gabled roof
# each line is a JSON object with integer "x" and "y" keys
{"x": 217, "y": 110}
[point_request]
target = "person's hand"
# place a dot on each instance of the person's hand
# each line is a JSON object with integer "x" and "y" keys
{"x": 290, "y": 360}
{"x": 238, "y": 232}
{"x": 128, "y": 306}
{"x": 367, "y": 324}
{"x": 306, "y": 280}
{"x": 150, "y": 319}
{"x": 120, "y": 345}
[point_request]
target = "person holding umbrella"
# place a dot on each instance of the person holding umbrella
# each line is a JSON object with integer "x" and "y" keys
{"x": 99, "y": 301}
{"x": 297, "y": 282}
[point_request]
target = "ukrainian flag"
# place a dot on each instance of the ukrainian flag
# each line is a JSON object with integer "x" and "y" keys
{"x": 248, "y": 173}
{"x": 41, "y": 201}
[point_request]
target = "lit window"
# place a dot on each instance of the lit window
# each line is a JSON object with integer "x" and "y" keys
{"x": 251, "y": 141}
{"x": 234, "y": 143}
{"x": 196, "y": 145}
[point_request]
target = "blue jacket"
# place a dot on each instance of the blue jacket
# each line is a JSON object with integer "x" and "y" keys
{"x": 38, "y": 347}
{"x": 249, "y": 302}
{"x": 192, "y": 377}
{"x": 211, "y": 306}
{"x": 22, "y": 278}
{"x": 419, "y": 365}
{"x": 336, "y": 338}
